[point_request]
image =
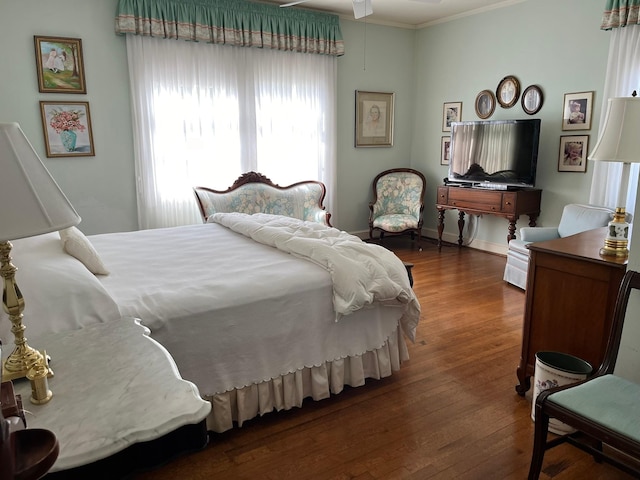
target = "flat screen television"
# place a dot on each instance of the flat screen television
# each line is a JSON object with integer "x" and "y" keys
{"x": 497, "y": 154}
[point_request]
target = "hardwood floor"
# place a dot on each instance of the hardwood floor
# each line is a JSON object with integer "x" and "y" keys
{"x": 451, "y": 412}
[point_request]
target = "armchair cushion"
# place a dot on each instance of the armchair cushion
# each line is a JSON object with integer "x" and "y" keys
{"x": 576, "y": 218}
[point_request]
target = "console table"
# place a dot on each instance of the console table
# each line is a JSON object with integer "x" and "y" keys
{"x": 570, "y": 298}
{"x": 115, "y": 392}
{"x": 509, "y": 204}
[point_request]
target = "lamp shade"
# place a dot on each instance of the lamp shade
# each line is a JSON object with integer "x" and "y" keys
{"x": 620, "y": 138}
{"x": 31, "y": 203}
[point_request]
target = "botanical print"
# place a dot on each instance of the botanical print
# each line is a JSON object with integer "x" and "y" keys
{"x": 67, "y": 127}
{"x": 59, "y": 64}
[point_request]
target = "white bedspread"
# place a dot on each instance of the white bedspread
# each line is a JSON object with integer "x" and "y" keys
{"x": 362, "y": 274}
{"x": 233, "y": 312}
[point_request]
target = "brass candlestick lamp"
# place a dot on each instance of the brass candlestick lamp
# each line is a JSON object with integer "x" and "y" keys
{"x": 31, "y": 203}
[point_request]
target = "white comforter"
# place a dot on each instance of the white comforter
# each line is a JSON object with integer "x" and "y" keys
{"x": 362, "y": 274}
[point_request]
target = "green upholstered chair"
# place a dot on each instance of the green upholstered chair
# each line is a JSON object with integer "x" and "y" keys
{"x": 604, "y": 409}
{"x": 398, "y": 203}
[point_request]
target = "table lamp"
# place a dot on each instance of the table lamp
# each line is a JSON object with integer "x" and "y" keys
{"x": 619, "y": 142}
{"x": 31, "y": 203}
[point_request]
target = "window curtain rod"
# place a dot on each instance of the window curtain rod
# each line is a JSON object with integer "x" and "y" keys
{"x": 232, "y": 22}
{"x": 620, "y": 13}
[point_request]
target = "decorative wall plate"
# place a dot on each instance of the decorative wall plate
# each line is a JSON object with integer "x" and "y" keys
{"x": 485, "y": 104}
{"x": 508, "y": 91}
{"x": 532, "y": 99}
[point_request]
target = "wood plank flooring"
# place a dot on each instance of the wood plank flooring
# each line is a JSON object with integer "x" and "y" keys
{"x": 451, "y": 412}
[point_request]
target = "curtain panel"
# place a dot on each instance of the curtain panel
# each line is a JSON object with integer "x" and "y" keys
{"x": 620, "y": 13}
{"x": 232, "y": 22}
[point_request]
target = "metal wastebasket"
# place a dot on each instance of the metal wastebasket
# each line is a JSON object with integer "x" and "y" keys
{"x": 552, "y": 370}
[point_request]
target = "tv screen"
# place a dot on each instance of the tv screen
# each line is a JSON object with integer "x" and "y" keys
{"x": 492, "y": 153}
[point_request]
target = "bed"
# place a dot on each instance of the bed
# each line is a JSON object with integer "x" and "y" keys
{"x": 258, "y": 324}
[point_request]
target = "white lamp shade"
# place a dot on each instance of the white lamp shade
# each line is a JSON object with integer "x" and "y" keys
{"x": 31, "y": 203}
{"x": 620, "y": 138}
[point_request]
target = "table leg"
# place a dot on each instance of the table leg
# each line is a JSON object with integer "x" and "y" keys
{"x": 532, "y": 219}
{"x": 440, "y": 226}
{"x": 460, "y": 226}
{"x": 512, "y": 230}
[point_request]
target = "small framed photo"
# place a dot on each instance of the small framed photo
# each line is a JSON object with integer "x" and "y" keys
{"x": 451, "y": 112}
{"x": 445, "y": 151}
{"x": 60, "y": 65}
{"x": 573, "y": 153}
{"x": 374, "y": 119}
{"x": 67, "y": 129}
{"x": 577, "y": 111}
{"x": 485, "y": 104}
{"x": 508, "y": 91}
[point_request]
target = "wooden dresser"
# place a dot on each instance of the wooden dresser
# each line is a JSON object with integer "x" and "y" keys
{"x": 509, "y": 204}
{"x": 570, "y": 297}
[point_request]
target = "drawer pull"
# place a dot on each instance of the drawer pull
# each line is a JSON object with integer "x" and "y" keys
{"x": 507, "y": 203}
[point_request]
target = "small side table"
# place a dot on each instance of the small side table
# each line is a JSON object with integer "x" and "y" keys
{"x": 114, "y": 389}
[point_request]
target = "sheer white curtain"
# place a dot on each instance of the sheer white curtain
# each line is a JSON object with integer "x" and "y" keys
{"x": 622, "y": 78}
{"x": 204, "y": 114}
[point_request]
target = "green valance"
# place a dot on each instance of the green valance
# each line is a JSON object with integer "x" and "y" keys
{"x": 620, "y": 13}
{"x": 232, "y": 22}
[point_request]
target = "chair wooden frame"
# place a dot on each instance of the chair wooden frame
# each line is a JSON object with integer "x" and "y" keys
{"x": 412, "y": 231}
{"x": 589, "y": 436}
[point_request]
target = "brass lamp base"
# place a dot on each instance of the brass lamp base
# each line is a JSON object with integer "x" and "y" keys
{"x": 23, "y": 358}
{"x": 617, "y": 239}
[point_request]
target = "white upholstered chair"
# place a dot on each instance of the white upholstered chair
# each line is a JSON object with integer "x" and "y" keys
{"x": 576, "y": 218}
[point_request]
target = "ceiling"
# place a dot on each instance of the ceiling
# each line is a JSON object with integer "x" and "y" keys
{"x": 406, "y": 13}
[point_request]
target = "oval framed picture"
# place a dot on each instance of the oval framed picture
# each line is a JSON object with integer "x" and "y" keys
{"x": 508, "y": 91}
{"x": 485, "y": 104}
{"x": 532, "y": 99}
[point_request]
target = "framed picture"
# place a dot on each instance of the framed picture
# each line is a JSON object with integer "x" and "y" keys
{"x": 573, "y": 153}
{"x": 445, "y": 151}
{"x": 508, "y": 91}
{"x": 485, "y": 104}
{"x": 60, "y": 65}
{"x": 532, "y": 99}
{"x": 451, "y": 112}
{"x": 577, "y": 111}
{"x": 67, "y": 129}
{"x": 374, "y": 119}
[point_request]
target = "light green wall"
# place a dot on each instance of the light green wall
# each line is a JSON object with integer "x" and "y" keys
{"x": 451, "y": 61}
{"x": 531, "y": 40}
{"x": 101, "y": 188}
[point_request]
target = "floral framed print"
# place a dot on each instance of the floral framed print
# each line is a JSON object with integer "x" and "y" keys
{"x": 445, "y": 151}
{"x": 573, "y": 153}
{"x": 67, "y": 129}
{"x": 576, "y": 110}
{"x": 60, "y": 65}
{"x": 374, "y": 119}
{"x": 485, "y": 104}
{"x": 451, "y": 112}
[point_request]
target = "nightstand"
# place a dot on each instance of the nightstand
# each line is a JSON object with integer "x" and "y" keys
{"x": 115, "y": 391}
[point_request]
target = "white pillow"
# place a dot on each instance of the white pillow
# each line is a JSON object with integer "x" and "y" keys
{"x": 76, "y": 244}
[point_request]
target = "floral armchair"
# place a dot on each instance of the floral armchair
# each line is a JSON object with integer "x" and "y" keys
{"x": 398, "y": 202}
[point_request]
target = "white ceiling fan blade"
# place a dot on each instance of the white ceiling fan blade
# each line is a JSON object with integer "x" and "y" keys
{"x": 293, "y": 3}
{"x": 362, "y": 8}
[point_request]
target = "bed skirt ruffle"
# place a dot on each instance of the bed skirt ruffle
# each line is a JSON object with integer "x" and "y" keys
{"x": 318, "y": 382}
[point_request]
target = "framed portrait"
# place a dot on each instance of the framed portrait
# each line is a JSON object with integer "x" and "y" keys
{"x": 485, "y": 104}
{"x": 573, "y": 153}
{"x": 451, "y": 112}
{"x": 445, "y": 151}
{"x": 67, "y": 129}
{"x": 374, "y": 119}
{"x": 60, "y": 65}
{"x": 508, "y": 91}
{"x": 576, "y": 110}
{"x": 532, "y": 99}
